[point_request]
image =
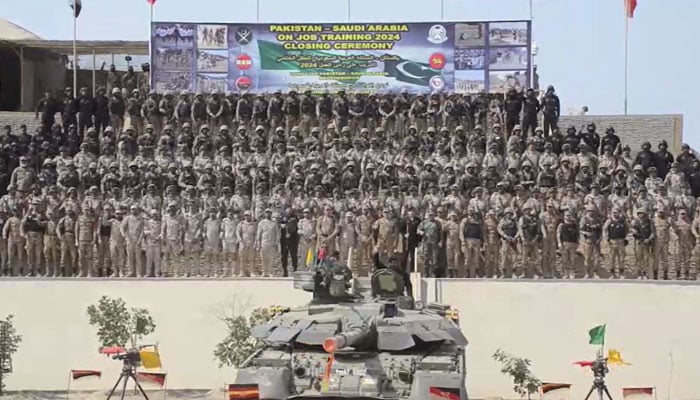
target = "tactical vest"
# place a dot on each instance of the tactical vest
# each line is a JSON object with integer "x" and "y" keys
{"x": 308, "y": 106}
{"x": 531, "y": 228}
{"x": 184, "y": 109}
{"x": 105, "y": 230}
{"x": 569, "y": 233}
{"x": 594, "y": 228}
{"x": 548, "y": 180}
{"x": 325, "y": 106}
{"x": 244, "y": 109}
{"x": 32, "y": 225}
{"x": 473, "y": 231}
{"x": 199, "y": 110}
{"x": 357, "y": 106}
{"x": 643, "y": 229}
{"x": 510, "y": 228}
{"x": 617, "y": 229}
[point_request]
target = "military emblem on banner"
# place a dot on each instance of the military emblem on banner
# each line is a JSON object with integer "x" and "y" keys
{"x": 244, "y": 62}
{"x": 244, "y": 35}
{"x": 437, "y": 61}
{"x": 437, "y": 34}
{"x": 437, "y": 83}
{"x": 243, "y": 83}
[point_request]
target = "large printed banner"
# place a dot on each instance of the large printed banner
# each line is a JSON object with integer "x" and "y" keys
{"x": 465, "y": 57}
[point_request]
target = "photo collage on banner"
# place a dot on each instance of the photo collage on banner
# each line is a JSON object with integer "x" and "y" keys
{"x": 464, "y": 57}
{"x": 173, "y": 57}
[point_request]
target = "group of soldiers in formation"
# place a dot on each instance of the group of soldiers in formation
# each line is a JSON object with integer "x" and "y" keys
{"x": 249, "y": 184}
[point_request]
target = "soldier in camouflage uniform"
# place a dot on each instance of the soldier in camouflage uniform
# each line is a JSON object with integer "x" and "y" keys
{"x": 52, "y": 248}
{"x": 508, "y": 231}
{"x": 152, "y": 236}
{"x": 327, "y": 231}
{"x": 568, "y": 239}
{"x": 472, "y": 231}
{"x": 65, "y": 230}
{"x": 86, "y": 238}
{"x": 247, "y": 231}
{"x": 431, "y": 232}
{"x": 662, "y": 233}
{"x": 591, "y": 229}
{"x": 615, "y": 230}
{"x": 686, "y": 242}
{"x": 644, "y": 235}
{"x": 117, "y": 244}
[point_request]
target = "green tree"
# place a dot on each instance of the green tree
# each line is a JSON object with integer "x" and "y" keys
{"x": 238, "y": 345}
{"x": 9, "y": 344}
{"x": 118, "y": 325}
{"x": 524, "y": 381}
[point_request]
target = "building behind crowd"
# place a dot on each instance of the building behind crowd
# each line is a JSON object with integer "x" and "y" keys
{"x": 30, "y": 65}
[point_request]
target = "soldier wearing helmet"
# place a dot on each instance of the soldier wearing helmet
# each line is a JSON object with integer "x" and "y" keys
{"x": 183, "y": 108}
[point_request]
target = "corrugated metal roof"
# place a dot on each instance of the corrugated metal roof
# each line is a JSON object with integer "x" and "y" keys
{"x": 10, "y": 31}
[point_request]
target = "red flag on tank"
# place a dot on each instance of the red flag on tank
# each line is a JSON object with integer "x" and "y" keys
{"x": 154, "y": 377}
{"x": 243, "y": 392}
{"x": 441, "y": 393}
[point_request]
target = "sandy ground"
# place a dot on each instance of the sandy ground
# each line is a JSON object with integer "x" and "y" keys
{"x": 170, "y": 394}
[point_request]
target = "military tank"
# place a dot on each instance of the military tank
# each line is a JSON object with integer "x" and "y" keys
{"x": 356, "y": 339}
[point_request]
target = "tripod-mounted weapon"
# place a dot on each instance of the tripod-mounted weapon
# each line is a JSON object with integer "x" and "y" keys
{"x": 131, "y": 359}
{"x": 600, "y": 369}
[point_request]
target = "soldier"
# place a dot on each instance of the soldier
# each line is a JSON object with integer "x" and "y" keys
{"x": 212, "y": 243}
{"x": 103, "y": 261}
{"x": 531, "y": 232}
{"x": 3, "y": 245}
{"x": 644, "y": 235}
{"x": 152, "y": 237}
{"x": 327, "y": 230}
{"x": 492, "y": 244}
{"x": 246, "y": 234}
{"x": 52, "y": 254}
{"x": 696, "y": 250}
{"x": 192, "y": 238}
{"x": 289, "y": 240}
{"x": 508, "y": 231}
{"x": 85, "y": 240}
{"x": 117, "y": 245}
{"x": 550, "y": 220}
{"x": 173, "y": 231}
{"x": 684, "y": 231}
{"x": 32, "y": 230}
{"x": 348, "y": 238}
{"x": 229, "y": 242}
{"x": 65, "y": 231}
{"x": 307, "y": 234}
{"x": 386, "y": 234}
{"x": 615, "y": 231}
{"x": 132, "y": 231}
{"x": 453, "y": 244}
{"x": 472, "y": 230}
{"x": 431, "y": 234}
{"x": 568, "y": 238}
{"x": 591, "y": 230}
{"x": 266, "y": 242}
{"x": 662, "y": 226}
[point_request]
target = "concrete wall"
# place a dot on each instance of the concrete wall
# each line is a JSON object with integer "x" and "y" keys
{"x": 635, "y": 129}
{"x": 546, "y": 321}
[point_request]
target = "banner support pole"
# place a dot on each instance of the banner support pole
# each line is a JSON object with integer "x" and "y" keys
{"x": 627, "y": 7}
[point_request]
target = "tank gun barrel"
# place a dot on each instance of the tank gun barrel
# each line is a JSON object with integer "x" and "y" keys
{"x": 345, "y": 339}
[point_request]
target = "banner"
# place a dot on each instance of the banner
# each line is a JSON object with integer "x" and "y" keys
{"x": 465, "y": 57}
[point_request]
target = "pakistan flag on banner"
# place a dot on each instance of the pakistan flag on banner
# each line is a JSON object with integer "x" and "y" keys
{"x": 400, "y": 69}
{"x": 410, "y": 71}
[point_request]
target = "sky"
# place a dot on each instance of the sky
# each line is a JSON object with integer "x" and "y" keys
{"x": 580, "y": 42}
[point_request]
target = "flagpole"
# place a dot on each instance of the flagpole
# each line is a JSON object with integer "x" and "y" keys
{"x": 75, "y": 51}
{"x": 348, "y": 10}
{"x": 257, "y": 8}
{"x": 627, "y": 7}
{"x": 442, "y": 10}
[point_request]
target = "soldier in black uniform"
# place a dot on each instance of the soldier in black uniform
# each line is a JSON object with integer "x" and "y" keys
{"x": 70, "y": 110}
{"x": 291, "y": 109}
{"x": 183, "y": 109}
{"x": 356, "y": 108}
{"x": 307, "y": 110}
{"x": 260, "y": 105}
{"x": 275, "y": 114}
{"x": 86, "y": 111}
{"x": 513, "y": 106}
{"x": 324, "y": 111}
{"x": 102, "y": 110}
{"x": 610, "y": 139}
{"x": 531, "y": 107}
{"x": 550, "y": 110}
{"x": 48, "y": 106}
{"x": 289, "y": 239}
{"x": 244, "y": 111}
{"x": 340, "y": 110}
